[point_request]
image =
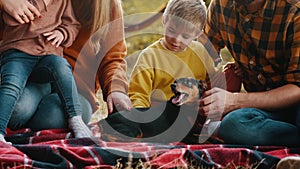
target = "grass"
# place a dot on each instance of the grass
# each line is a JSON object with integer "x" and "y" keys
{"x": 146, "y": 165}
{"x": 102, "y": 111}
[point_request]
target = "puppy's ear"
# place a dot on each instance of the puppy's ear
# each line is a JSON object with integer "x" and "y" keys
{"x": 173, "y": 86}
{"x": 199, "y": 84}
{"x": 202, "y": 86}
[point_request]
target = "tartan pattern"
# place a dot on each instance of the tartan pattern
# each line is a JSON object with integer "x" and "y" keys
{"x": 57, "y": 149}
{"x": 266, "y": 44}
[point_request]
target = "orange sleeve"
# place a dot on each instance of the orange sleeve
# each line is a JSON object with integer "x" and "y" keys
{"x": 112, "y": 71}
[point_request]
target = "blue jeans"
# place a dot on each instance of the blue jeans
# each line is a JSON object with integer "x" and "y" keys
{"x": 17, "y": 67}
{"x": 37, "y": 103}
{"x": 250, "y": 126}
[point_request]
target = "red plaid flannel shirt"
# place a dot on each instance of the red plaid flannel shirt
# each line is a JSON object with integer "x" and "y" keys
{"x": 266, "y": 44}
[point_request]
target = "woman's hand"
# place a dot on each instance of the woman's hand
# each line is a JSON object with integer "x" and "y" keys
{"x": 21, "y": 10}
{"x": 118, "y": 100}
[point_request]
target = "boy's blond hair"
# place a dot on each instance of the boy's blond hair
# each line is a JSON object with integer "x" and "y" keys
{"x": 192, "y": 11}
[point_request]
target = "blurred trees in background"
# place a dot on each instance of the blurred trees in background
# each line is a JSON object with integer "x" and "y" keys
{"x": 135, "y": 12}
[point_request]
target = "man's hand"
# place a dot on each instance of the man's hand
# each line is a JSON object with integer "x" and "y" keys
{"x": 21, "y": 10}
{"x": 237, "y": 69}
{"x": 55, "y": 36}
{"x": 217, "y": 102}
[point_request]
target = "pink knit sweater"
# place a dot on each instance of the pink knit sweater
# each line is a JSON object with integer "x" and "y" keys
{"x": 57, "y": 15}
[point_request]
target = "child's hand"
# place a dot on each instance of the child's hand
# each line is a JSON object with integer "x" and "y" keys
{"x": 55, "y": 36}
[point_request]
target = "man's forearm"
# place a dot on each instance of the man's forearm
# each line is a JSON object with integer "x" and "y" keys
{"x": 279, "y": 98}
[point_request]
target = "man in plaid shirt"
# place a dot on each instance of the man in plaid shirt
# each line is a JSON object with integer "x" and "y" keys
{"x": 263, "y": 37}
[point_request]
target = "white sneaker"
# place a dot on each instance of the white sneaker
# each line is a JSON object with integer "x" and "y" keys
{"x": 290, "y": 162}
{"x": 212, "y": 127}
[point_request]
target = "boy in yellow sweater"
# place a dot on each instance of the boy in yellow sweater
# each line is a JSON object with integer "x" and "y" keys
{"x": 175, "y": 55}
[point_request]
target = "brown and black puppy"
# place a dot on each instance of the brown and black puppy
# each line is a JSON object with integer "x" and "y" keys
{"x": 173, "y": 117}
{"x": 187, "y": 92}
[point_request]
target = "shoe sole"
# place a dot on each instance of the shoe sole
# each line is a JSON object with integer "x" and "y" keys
{"x": 292, "y": 162}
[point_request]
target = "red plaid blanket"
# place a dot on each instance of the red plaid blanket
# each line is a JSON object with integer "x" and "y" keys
{"x": 58, "y": 149}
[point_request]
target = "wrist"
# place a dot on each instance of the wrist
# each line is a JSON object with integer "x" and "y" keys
{"x": 240, "y": 100}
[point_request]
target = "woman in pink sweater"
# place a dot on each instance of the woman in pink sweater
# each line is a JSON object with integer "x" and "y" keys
{"x": 96, "y": 56}
{"x": 34, "y": 51}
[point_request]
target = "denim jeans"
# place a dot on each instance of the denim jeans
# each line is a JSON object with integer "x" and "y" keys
{"x": 17, "y": 67}
{"x": 39, "y": 109}
{"x": 250, "y": 126}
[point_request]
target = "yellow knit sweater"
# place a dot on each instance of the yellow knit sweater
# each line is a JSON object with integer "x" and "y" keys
{"x": 157, "y": 68}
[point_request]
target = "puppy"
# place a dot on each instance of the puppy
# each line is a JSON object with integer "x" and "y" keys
{"x": 119, "y": 127}
{"x": 187, "y": 90}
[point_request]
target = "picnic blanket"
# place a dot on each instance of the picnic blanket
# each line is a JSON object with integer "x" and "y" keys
{"x": 57, "y": 148}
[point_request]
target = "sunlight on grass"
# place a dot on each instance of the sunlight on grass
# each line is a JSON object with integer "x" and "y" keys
{"x": 146, "y": 165}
